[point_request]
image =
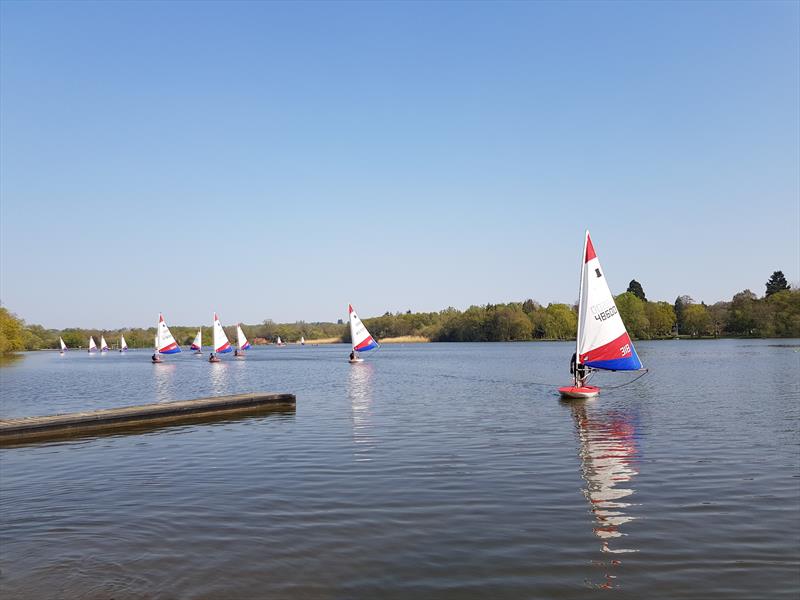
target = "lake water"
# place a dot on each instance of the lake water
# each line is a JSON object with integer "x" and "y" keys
{"x": 432, "y": 470}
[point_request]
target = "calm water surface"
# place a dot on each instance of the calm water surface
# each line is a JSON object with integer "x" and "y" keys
{"x": 437, "y": 470}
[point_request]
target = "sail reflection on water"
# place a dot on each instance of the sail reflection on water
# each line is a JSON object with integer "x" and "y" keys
{"x": 609, "y": 455}
{"x": 359, "y": 390}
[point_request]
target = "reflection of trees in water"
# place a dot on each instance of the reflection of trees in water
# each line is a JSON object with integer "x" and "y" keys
{"x": 164, "y": 374}
{"x": 608, "y": 454}
{"x": 359, "y": 390}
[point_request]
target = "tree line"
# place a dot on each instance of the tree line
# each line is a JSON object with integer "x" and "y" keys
{"x": 776, "y": 314}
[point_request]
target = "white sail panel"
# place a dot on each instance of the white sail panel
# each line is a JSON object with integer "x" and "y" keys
{"x": 166, "y": 343}
{"x": 359, "y": 336}
{"x": 63, "y": 345}
{"x": 241, "y": 340}
{"x": 123, "y": 345}
{"x": 221, "y": 343}
{"x": 92, "y": 345}
{"x": 103, "y": 345}
{"x": 197, "y": 344}
{"x": 603, "y": 342}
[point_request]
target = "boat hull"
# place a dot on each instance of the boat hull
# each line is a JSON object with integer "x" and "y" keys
{"x": 578, "y": 393}
{"x": 354, "y": 361}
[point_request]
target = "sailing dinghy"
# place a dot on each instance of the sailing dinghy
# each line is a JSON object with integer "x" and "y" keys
{"x": 359, "y": 336}
{"x": 241, "y": 342}
{"x": 63, "y": 345}
{"x": 92, "y": 345}
{"x": 197, "y": 344}
{"x": 279, "y": 341}
{"x": 221, "y": 343}
{"x": 103, "y": 345}
{"x": 165, "y": 343}
{"x": 302, "y": 341}
{"x": 603, "y": 344}
{"x": 123, "y": 345}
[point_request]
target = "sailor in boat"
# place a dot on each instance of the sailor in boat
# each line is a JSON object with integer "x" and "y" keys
{"x": 155, "y": 358}
{"x": 352, "y": 355}
{"x": 213, "y": 358}
{"x": 578, "y": 371}
{"x": 236, "y": 352}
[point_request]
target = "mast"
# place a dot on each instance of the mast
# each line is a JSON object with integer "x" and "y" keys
{"x": 580, "y": 308}
{"x": 352, "y": 331}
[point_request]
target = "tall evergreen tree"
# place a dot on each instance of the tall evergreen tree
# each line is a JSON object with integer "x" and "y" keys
{"x": 635, "y": 288}
{"x": 776, "y": 283}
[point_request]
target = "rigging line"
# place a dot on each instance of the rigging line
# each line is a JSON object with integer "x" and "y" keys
{"x": 616, "y": 387}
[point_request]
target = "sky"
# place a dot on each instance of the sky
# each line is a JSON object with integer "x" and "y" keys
{"x": 281, "y": 160}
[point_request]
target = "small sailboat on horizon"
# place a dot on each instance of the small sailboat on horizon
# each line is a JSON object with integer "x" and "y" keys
{"x": 103, "y": 345}
{"x": 221, "y": 343}
{"x": 603, "y": 343}
{"x": 197, "y": 344}
{"x": 241, "y": 342}
{"x": 360, "y": 338}
{"x": 302, "y": 341}
{"x": 63, "y": 345}
{"x": 279, "y": 341}
{"x": 92, "y": 345}
{"x": 123, "y": 345}
{"x": 165, "y": 343}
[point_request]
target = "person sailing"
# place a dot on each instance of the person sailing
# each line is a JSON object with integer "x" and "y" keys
{"x": 577, "y": 370}
{"x": 352, "y": 355}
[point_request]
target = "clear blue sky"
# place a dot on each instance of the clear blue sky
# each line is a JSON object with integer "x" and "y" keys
{"x": 268, "y": 160}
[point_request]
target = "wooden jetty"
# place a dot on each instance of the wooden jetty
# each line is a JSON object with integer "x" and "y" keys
{"x": 145, "y": 416}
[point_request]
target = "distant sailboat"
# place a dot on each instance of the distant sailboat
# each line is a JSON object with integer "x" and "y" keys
{"x": 92, "y": 345}
{"x": 359, "y": 336}
{"x": 103, "y": 345}
{"x": 241, "y": 342}
{"x": 302, "y": 341}
{"x": 156, "y": 358}
{"x": 165, "y": 343}
{"x": 197, "y": 344}
{"x": 123, "y": 345}
{"x": 221, "y": 343}
{"x": 63, "y": 346}
{"x": 603, "y": 343}
{"x": 279, "y": 342}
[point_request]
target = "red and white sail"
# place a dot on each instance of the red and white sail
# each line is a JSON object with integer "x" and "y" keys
{"x": 603, "y": 342}
{"x": 241, "y": 340}
{"x": 221, "y": 343}
{"x": 166, "y": 344}
{"x": 197, "y": 344}
{"x": 103, "y": 345}
{"x": 92, "y": 345}
{"x": 359, "y": 336}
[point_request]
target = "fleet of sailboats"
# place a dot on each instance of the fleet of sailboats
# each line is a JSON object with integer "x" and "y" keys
{"x": 602, "y": 342}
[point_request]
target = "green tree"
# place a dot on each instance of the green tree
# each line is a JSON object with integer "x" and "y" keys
{"x": 560, "y": 322}
{"x": 696, "y": 320}
{"x": 12, "y": 332}
{"x": 635, "y": 288}
{"x": 742, "y": 314}
{"x": 631, "y": 309}
{"x": 776, "y": 283}
{"x": 661, "y": 317}
{"x": 681, "y": 303}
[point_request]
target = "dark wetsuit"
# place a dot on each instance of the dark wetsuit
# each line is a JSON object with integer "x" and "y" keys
{"x": 578, "y": 370}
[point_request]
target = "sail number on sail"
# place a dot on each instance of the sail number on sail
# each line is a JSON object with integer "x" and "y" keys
{"x": 602, "y": 315}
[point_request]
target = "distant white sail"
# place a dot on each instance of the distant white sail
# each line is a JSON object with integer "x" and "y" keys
{"x": 221, "y": 343}
{"x": 92, "y": 345}
{"x": 241, "y": 340}
{"x": 123, "y": 345}
{"x": 166, "y": 343}
{"x": 302, "y": 341}
{"x": 197, "y": 344}
{"x": 279, "y": 342}
{"x": 359, "y": 336}
{"x": 103, "y": 345}
{"x": 63, "y": 345}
